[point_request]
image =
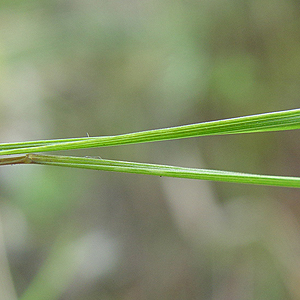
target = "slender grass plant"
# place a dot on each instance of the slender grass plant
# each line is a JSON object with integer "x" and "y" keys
{"x": 273, "y": 121}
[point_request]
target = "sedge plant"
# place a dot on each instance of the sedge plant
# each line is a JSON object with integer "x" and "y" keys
{"x": 273, "y": 121}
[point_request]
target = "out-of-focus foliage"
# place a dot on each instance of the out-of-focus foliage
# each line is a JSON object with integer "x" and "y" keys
{"x": 71, "y": 67}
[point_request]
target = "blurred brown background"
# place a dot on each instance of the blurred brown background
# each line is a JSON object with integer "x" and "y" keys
{"x": 71, "y": 67}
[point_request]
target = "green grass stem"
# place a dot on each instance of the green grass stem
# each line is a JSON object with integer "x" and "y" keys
{"x": 275, "y": 121}
{"x": 162, "y": 170}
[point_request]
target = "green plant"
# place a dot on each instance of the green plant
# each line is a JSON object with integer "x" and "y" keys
{"x": 274, "y": 121}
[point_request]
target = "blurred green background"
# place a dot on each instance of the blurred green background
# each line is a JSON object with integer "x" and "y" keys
{"x": 72, "y": 67}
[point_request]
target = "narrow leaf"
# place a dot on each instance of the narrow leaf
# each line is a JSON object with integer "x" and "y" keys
{"x": 275, "y": 121}
{"x": 162, "y": 170}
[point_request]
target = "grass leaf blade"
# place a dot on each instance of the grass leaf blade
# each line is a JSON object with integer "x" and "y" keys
{"x": 163, "y": 170}
{"x": 275, "y": 121}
